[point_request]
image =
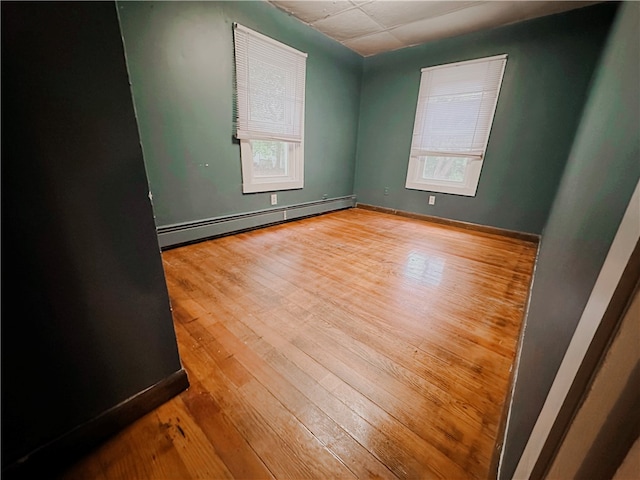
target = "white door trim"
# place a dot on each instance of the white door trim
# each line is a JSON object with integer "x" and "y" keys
{"x": 616, "y": 261}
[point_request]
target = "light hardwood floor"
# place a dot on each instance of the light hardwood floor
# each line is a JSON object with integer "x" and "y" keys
{"x": 354, "y": 344}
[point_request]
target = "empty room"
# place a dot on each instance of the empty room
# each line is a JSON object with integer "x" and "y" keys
{"x": 320, "y": 239}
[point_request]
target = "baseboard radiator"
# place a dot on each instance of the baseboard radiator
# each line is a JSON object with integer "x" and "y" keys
{"x": 189, "y": 232}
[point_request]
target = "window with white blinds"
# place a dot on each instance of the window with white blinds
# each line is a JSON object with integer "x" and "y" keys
{"x": 270, "y": 91}
{"x": 456, "y": 105}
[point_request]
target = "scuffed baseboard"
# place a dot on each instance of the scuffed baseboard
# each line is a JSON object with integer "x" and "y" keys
{"x": 51, "y": 458}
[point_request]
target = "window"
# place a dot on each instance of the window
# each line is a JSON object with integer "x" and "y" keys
{"x": 270, "y": 84}
{"x": 455, "y": 111}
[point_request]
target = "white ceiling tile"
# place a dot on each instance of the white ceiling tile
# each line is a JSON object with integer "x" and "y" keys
{"x": 360, "y": 24}
{"x": 348, "y": 24}
{"x": 525, "y": 10}
{"x": 311, "y": 11}
{"x": 372, "y": 44}
{"x": 474, "y": 18}
{"x": 428, "y": 29}
{"x": 393, "y": 13}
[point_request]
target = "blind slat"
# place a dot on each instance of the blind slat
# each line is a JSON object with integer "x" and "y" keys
{"x": 456, "y": 104}
{"x": 270, "y": 87}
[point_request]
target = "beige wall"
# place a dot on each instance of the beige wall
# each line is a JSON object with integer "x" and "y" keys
{"x": 610, "y": 382}
{"x": 630, "y": 468}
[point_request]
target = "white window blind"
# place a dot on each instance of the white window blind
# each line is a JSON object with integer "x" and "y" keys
{"x": 270, "y": 82}
{"x": 456, "y": 105}
{"x": 270, "y": 90}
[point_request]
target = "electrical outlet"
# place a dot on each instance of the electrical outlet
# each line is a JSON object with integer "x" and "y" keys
{"x": 386, "y": 190}
{"x": 432, "y": 199}
{"x": 325, "y": 196}
{"x": 274, "y": 199}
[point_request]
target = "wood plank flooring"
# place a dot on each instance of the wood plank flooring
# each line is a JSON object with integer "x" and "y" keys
{"x": 355, "y": 344}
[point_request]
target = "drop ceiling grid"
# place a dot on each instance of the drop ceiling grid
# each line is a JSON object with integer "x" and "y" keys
{"x": 366, "y": 26}
{"x": 369, "y": 27}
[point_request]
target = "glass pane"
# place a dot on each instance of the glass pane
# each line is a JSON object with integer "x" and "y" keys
{"x": 270, "y": 159}
{"x": 448, "y": 169}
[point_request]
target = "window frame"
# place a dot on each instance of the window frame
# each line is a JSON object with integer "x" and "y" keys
{"x": 288, "y": 60}
{"x": 418, "y": 157}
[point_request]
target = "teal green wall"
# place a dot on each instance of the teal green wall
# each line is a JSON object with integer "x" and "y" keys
{"x": 180, "y": 60}
{"x": 548, "y": 71}
{"x": 601, "y": 174}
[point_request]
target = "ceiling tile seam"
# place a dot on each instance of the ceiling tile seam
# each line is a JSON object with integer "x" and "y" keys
{"x": 443, "y": 14}
{"x": 450, "y": 12}
{"x": 389, "y": 29}
{"x": 401, "y": 42}
{"x": 289, "y": 13}
{"x": 383, "y": 27}
{"x": 333, "y": 15}
{"x": 360, "y": 4}
{"x": 447, "y": 12}
{"x": 376, "y": 33}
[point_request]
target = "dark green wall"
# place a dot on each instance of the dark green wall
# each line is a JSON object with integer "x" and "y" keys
{"x": 602, "y": 171}
{"x": 86, "y": 322}
{"x": 180, "y": 59}
{"x": 550, "y": 64}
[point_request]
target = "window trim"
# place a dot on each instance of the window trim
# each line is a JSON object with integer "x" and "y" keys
{"x": 252, "y": 183}
{"x": 417, "y": 156}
